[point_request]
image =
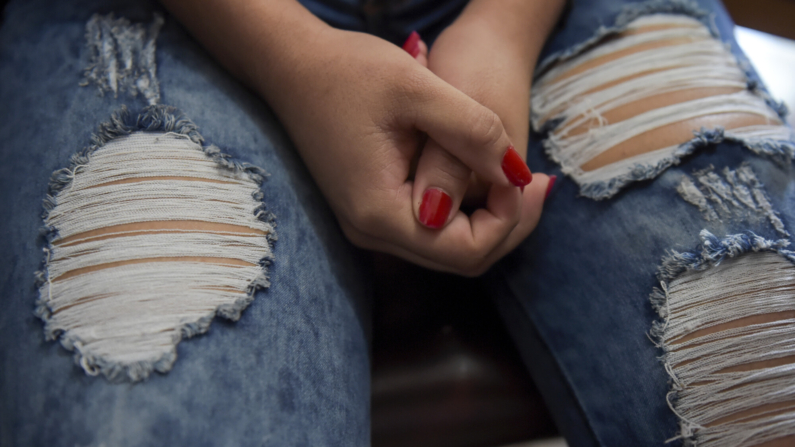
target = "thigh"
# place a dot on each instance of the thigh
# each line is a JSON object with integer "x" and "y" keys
{"x": 654, "y": 300}
{"x": 292, "y": 370}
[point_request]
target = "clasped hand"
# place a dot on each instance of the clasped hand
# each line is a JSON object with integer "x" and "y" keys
{"x": 359, "y": 112}
{"x": 396, "y": 143}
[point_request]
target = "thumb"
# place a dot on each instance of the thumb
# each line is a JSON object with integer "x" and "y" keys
{"x": 472, "y": 133}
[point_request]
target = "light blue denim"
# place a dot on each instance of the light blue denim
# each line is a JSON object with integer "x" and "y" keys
{"x": 294, "y": 369}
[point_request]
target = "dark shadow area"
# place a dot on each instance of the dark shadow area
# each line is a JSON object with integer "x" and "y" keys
{"x": 445, "y": 371}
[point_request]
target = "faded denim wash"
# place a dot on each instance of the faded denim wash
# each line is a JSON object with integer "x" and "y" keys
{"x": 294, "y": 370}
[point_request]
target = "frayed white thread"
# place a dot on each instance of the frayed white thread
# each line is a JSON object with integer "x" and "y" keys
{"x": 690, "y": 192}
{"x": 111, "y": 297}
{"x": 123, "y": 56}
{"x": 741, "y": 194}
{"x": 103, "y": 203}
{"x": 706, "y": 396}
{"x": 689, "y": 58}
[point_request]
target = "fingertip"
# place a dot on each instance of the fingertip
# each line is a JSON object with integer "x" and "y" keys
{"x": 434, "y": 209}
{"x": 515, "y": 168}
{"x": 534, "y": 196}
{"x": 423, "y": 47}
{"x": 550, "y": 185}
{"x": 423, "y": 60}
{"x": 412, "y": 44}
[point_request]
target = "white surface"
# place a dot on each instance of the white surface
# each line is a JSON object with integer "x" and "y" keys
{"x": 774, "y": 60}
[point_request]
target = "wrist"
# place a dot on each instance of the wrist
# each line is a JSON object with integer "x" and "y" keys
{"x": 258, "y": 42}
{"x": 522, "y": 25}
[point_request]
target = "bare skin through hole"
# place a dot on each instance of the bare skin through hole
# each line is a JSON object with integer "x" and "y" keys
{"x": 157, "y": 227}
{"x": 601, "y": 60}
{"x": 664, "y": 136}
{"x": 601, "y": 87}
{"x": 644, "y": 105}
{"x": 631, "y": 32}
{"x": 760, "y": 411}
{"x": 210, "y": 260}
{"x": 670, "y": 135}
{"x": 742, "y": 322}
{"x": 146, "y": 179}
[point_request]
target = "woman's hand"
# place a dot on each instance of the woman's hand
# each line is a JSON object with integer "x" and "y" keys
{"x": 358, "y": 110}
{"x": 489, "y": 53}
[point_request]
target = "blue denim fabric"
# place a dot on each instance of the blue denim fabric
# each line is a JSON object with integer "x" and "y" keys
{"x": 392, "y": 20}
{"x": 575, "y": 294}
{"x": 294, "y": 370}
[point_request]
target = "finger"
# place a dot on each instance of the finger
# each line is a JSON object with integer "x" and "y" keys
{"x": 533, "y": 199}
{"x": 469, "y": 131}
{"x": 461, "y": 246}
{"x": 450, "y": 250}
{"x": 422, "y": 57}
{"x": 412, "y": 45}
{"x": 423, "y": 60}
{"x": 440, "y": 183}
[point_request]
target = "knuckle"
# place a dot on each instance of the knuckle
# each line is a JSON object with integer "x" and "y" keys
{"x": 486, "y": 128}
{"x": 415, "y": 84}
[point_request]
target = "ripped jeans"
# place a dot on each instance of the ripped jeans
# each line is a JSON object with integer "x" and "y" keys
{"x": 177, "y": 198}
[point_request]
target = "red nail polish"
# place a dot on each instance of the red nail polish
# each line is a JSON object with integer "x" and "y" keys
{"x": 435, "y": 208}
{"x": 515, "y": 168}
{"x": 412, "y": 44}
{"x": 551, "y": 183}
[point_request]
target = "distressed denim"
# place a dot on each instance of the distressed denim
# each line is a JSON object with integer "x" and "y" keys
{"x": 575, "y": 294}
{"x": 294, "y": 370}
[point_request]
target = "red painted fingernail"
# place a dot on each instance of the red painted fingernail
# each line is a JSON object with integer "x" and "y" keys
{"x": 515, "y": 168}
{"x": 412, "y": 44}
{"x": 435, "y": 208}
{"x": 551, "y": 183}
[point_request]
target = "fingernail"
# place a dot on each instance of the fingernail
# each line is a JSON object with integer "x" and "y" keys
{"x": 435, "y": 208}
{"x": 412, "y": 44}
{"x": 551, "y": 183}
{"x": 515, "y": 168}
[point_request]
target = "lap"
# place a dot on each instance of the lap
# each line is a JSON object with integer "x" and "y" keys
{"x": 576, "y": 294}
{"x": 293, "y": 370}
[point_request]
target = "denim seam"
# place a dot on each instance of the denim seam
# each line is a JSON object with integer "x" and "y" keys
{"x": 553, "y": 354}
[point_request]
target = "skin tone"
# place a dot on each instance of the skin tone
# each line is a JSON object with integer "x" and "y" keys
{"x": 371, "y": 107}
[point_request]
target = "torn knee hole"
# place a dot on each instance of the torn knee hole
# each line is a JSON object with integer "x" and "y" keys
{"x": 637, "y": 97}
{"x": 140, "y": 257}
{"x": 728, "y": 332}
